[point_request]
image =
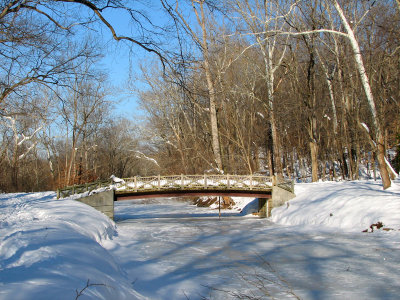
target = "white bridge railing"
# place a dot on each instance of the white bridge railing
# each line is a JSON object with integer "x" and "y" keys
{"x": 195, "y": 182}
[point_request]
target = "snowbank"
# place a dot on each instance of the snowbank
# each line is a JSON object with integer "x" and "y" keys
{"x": 348, "y": 206}
{"x": 51, "y": 249}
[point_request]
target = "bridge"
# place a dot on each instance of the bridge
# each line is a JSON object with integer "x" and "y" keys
{"x": 265, "y": 188}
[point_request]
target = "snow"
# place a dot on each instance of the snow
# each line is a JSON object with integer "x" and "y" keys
{"x": 365, "y": 126}
{"x": 50, "y": 248}
{"x": 174, "y": 251}
{"x": 116, "y": 179}
{"x": 142, "y": 155}
{"x": 261, "y": 115}
{"x": 326, "y": 116}
{"x": 391, "y": 168}
{"x": 189, "y": 182}
{"x": 347, "y": 206}
{"x": 312, "y": 248}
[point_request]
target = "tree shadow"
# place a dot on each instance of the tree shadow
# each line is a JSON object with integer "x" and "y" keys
{"x": 256, "y": 260}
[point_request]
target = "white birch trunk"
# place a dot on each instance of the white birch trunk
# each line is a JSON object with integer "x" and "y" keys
{"x": 211, "y": 91}
{"x": 380, "y": 148}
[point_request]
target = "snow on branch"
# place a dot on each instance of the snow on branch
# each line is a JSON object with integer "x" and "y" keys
{"x": 146, "y": 157}
{"x": 365, "y": 126}
{"x": 260, "y": 114}
{"x": 13, "y": 127}
{"x": 169, "y": 143}
{"x": 27, "y": 151}
{"x": 27, "y": 138}
{"x": 389, "y": 166}
{"x": 280, "y": 32}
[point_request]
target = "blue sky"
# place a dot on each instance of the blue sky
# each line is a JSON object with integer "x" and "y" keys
{"x": 122, "y": 58}
{"x": 117, "y": 61}
{"x": 117, "y": 64}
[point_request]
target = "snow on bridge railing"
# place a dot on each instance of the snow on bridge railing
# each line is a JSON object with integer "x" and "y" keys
{"x": 180, "y": 182}
{"x": 287, "y": 185}
{"x": 195, "y": 182}
{"x": 82, "y": 188}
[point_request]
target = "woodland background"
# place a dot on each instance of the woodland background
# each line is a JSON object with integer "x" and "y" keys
{"x": 240, "y": 87}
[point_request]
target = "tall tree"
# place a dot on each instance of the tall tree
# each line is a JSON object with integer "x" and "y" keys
{"x": 379, "y": 136}
{"x": 262, "y": 17}
{"x": 201, "y": 40}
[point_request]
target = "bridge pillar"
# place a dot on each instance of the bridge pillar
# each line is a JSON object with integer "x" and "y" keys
{"x": 280, "y": 196}
{"x": 103, "y": 202}
{"x": 264, "y": 207}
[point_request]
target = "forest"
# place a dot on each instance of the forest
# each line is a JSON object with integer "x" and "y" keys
{"x": 296, "y": 89}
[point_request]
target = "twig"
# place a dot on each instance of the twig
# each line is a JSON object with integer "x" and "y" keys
{"x": 88, "y": 285}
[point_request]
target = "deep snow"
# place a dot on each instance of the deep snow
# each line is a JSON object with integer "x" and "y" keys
{"x": 342, "y": 206}
{"x": 50, "y": 248}
{"x": 315, "y": 249}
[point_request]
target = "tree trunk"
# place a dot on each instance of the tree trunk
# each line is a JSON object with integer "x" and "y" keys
{"x": 382, "y": 162}
{"x": 270, "y": 162}
{"x": 211, "y": 92}
{"x": 270, "y": 78}
{"x": 380, "y": 147}
{"x": 311, "y": 105}
{"x": 373, "y": 162}
{"x": 276, "y": 146}
{"x": 314, "y": 161}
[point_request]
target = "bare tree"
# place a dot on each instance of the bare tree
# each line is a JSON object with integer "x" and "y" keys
{"x": 358, "y": 60}
{"x": 201, "y": 40}
{"x": 261, "y": 17}
{"x": 23, "y": 121}
{"x": 379, "y": 137}
{"x": 83, "y": 107}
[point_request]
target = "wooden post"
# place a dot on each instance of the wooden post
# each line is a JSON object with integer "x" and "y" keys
{"x": 229, "y": 183}
{"x": 205, "y": 181}
{"x": 182, "y": 182}
{"x": 159, "y": 182}
{"x": 251, "y": 182}
{"x": 273, "y": 180}
{"x": 135, "y": 183}
{"x": 219, "y": 206}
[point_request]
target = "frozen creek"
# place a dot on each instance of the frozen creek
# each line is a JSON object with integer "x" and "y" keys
{"x": 173, "y": 250}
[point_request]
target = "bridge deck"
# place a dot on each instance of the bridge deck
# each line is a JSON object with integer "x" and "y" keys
{"x": 129, "y": 195}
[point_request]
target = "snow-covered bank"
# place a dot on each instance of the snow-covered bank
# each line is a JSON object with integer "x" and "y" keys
{"x": 345, "y": 206}
{"x": 51, "y": 249}
{"x": 174, "y": 250}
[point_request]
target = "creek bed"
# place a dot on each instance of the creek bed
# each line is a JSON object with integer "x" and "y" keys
{"x": 173, "y": 250}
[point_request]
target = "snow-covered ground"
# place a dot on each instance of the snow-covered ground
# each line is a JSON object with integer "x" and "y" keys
{"x": 51, "y": 249}
{"x": 313, "y": 249}
{"x": 342, "y": 206}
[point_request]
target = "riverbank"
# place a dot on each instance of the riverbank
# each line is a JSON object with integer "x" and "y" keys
{"x": 351, "y": 206}
{"x": 52, "y": 249}
{"x": 315, "y": 249}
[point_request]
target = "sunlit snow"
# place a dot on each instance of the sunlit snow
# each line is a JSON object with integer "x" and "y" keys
{"x": 312, "y": 248}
